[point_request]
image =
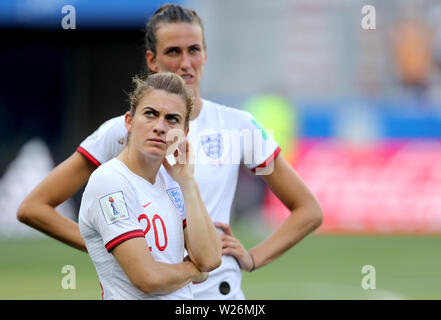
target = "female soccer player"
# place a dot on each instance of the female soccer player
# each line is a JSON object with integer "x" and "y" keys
{"x": 135, "y": 188}
{"x": 175, "y": 43}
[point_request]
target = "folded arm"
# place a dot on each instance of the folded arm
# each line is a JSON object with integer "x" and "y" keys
{"x": 202, "y": 240}
{"x": 151, "y": 276}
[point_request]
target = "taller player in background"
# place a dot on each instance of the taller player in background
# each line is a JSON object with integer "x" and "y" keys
{"x": 175, "y": 43}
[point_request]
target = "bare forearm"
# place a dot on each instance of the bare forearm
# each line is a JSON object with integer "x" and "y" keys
{"x": 149, "y": 275}
{"x": 167, "y": 278}
{"x": 203, "y": 241}
{"x": 305, "y": 217}
{"x": 47, "y": 220}
{"x": 297, "y": 226}
{"x": 38, "y": 209}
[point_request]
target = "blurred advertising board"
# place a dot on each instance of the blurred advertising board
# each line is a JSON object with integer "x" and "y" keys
{"x": 390, "y": 186}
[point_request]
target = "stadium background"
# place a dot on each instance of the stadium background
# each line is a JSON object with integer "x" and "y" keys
{"x": 357, "y": 112}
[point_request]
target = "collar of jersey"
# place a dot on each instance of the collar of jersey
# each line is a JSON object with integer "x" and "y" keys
{"x": 157, "y": 186}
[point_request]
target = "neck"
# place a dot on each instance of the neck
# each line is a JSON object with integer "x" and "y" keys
{"x": 197, "y": 107}
{"x": 140, "y": 164}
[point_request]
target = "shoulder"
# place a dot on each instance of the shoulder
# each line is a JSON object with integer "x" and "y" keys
{"x": 110, "y": 129}
{"x": 217, "y": 107}
{"x": 116, "y": 123}
{"x": 106, "y": 178}
{"x": 233, "y": 115}
{"x": 106, "y": 142}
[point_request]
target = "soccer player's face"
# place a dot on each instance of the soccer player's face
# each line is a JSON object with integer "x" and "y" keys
{"x": 158, "y": 112}
{"x": 180, "y": 50}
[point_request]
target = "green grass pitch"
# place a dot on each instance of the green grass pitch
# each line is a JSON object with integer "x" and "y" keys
{"x": 320, "y": 267}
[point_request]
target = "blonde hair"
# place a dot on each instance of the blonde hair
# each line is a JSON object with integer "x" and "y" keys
{"x": 167, "y": 81}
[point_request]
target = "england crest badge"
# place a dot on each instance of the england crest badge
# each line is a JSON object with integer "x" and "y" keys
{"x": 177, "y": 199}
{"x": 212, "y": 145}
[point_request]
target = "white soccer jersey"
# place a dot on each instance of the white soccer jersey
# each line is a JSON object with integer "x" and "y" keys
{"x": 118, "y": 205}
{"x": 223, "y": 138}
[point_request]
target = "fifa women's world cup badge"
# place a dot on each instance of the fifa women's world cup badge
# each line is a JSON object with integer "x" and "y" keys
{"x": 112, "y": 204}
{"x": 114, "y": 207}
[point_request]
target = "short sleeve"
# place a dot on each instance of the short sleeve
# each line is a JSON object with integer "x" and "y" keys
{"x": 106, "y": 142}
{"x": 113, "y": 209}
{"x": 259, "y": 148}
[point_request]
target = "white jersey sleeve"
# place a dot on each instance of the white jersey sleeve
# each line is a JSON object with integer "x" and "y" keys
{"x": 259, "y": 151}
{"x": 111, "y": 208}
{"x": 106, "y": 142}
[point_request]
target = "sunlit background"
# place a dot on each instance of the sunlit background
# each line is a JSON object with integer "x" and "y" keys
{"x": 357, "y": 113}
